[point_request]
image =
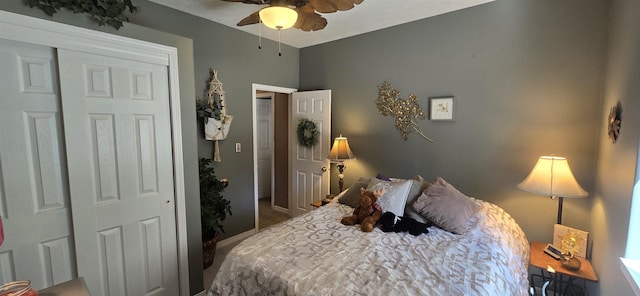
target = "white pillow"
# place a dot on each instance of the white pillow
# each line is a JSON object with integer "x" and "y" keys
{"x": 395, "y": 194}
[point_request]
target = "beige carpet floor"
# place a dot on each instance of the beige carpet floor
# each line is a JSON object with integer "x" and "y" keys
{"x": 268, "y": 216}
{"x": 210, "y": 273}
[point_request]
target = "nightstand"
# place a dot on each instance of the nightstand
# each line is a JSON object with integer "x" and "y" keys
{"x": 563, "y": 279}
{"x": 320, "y": 203}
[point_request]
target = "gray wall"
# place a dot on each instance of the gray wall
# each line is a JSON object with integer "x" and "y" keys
{"x": 235, "y": 55}
{"x": 526, "y": 76}
{"x": 239, "y": 63}
{"x": 616, "y": 166}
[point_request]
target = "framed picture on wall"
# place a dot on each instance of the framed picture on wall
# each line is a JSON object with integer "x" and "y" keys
{"x": 441, "y": 108}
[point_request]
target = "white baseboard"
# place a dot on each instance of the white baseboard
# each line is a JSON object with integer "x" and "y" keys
{"x": 281, "y": 209}
{"x": 236, "y": 238}
{"x": 202, "y": 293}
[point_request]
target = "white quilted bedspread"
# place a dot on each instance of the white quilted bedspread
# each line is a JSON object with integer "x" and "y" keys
{"x": 316, "y": 255}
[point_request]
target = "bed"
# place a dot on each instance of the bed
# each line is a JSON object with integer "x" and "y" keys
{"x": 314, "y": 254}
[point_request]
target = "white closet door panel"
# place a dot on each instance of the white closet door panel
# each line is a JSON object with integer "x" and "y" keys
{"x": 122, "y": 186}
{"x": 103, "y": 136}
{"x": 33, "y": 172}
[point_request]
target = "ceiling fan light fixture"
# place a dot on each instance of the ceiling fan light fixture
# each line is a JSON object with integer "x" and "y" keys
{"x": 278, "y": 17}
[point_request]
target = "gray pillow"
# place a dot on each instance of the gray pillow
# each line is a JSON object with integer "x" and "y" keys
{"x": 446, "y": 207}
{"x": 352, "y": 196}
{"x": 418, "y": 185}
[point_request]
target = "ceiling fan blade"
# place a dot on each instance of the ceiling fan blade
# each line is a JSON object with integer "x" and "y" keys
{"x": 306, "y": 9}
{"x": 246, "y": 1}
{"x": 323, "y": 6}
{"x": 328, "y": 6}
{"x": 309, "y": 21}
{"x": 249, "y": 1}
{"x": 253, "y": 18}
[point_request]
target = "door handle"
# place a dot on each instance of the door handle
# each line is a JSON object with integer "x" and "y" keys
{"x": 323, "y": 169}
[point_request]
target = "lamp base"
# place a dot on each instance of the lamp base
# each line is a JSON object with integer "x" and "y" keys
{"x": 341, "y": 167}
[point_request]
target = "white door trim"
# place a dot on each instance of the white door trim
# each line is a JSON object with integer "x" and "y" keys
{"x": 47, "y": 33}
{"x": 255, "y": 87}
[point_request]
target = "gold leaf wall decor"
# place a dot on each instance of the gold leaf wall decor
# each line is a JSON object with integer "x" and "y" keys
{"x": 406, "y": 111}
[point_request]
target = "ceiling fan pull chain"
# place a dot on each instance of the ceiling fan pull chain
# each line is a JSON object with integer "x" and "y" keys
{"x": 279, "y": 48}
{"x": 260, "y": 35}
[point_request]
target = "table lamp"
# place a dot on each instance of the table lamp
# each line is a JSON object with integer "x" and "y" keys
{"x": 340, "y": 152}
{"x": 551, "y": 176}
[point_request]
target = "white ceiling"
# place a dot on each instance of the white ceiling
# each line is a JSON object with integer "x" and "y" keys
{"x": 368, "y": 16}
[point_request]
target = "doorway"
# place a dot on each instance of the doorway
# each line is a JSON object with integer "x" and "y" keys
{"x": 271, "y": 154}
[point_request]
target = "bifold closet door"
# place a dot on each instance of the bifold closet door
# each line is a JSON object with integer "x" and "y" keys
{"x": 118, "y": 138}
{"x": 34, "y": 196}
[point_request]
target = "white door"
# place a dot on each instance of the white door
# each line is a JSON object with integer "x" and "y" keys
{"x": 118, "y": 136}
{"x": 265, "y": 144}
{"x": 34, "y": 198}
{"x": 309, "y": 175}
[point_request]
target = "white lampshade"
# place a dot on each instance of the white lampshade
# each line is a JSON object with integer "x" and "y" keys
{"x": 278, "y": 17}
{"x": 551, "y": 176}
{"x": 340, "y": 150}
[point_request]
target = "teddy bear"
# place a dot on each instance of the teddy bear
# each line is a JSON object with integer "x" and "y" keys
{"x": 389, "y": 222}
{"x": 368, "y": 212}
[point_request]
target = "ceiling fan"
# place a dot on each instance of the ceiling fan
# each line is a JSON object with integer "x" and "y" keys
{"x": 308, "y": 17}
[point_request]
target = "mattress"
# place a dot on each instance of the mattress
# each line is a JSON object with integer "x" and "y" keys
{"x": 314, "y": 254}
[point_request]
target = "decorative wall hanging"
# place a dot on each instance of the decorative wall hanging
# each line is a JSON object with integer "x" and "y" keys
{"x": 307, "y": 133}
{"x": 406, "y": 111}
{"x": 441, "y": 108}
{"x": 614, "y": 122}
{"x": 104, "y": 12}
{"x": 217, "y": 122}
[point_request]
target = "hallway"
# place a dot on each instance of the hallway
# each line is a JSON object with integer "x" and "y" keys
{"x": 268, "y": 216}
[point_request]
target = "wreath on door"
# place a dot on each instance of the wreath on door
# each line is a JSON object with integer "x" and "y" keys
{"x": 307, "y": 132}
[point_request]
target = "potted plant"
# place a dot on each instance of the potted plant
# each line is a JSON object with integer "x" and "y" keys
{"x": 206, "y": 111}
{"x": 213, "y": 209}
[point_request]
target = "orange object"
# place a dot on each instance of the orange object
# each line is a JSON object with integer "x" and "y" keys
{"x": 17, "y": 288}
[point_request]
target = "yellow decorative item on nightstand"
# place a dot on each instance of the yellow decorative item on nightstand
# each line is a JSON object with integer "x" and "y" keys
{"x": 570, "y": 246}
{"x": 571, "y": 243}
{"x": 559, "y": 232}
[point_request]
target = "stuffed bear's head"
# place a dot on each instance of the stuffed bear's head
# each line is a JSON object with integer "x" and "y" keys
{"x": 368, "y": 198}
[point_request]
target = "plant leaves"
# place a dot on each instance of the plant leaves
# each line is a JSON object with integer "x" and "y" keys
{"x": 109, "y": 12}
{"x": 214, "y": 208}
